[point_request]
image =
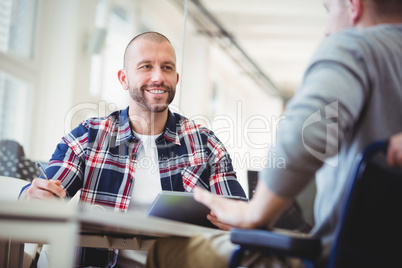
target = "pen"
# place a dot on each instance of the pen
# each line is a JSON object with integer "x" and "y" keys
{"x": 237, "y": 198}
{"x": 42, "y": 170}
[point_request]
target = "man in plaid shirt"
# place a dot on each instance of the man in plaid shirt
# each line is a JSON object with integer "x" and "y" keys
{"x": 124, "y": 160}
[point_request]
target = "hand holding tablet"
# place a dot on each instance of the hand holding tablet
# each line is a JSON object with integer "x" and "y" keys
{"x": 181, "y": 206}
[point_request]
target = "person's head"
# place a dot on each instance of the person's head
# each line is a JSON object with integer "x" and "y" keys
{"x": 149, "y": 72}
{"x": 361, "y": 13}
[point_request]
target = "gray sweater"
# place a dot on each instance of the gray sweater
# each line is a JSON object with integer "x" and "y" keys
{"x": 351, "y": 95}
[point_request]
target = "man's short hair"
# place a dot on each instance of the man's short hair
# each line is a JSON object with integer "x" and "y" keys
{"x": 386, "y": 7}
{"x": 151, "y": 36}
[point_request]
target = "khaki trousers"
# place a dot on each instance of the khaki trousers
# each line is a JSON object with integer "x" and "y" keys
{"x": 207, "y": 251}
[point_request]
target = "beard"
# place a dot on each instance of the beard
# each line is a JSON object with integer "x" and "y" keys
{"x": 138, "y": 95}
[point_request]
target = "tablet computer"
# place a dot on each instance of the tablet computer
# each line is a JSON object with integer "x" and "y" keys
{"x": 181, "y": 206}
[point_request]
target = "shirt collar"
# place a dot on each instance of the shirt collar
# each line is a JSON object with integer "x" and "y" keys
{"x": 125, "y": 133}
{"x": 171, "y": 132}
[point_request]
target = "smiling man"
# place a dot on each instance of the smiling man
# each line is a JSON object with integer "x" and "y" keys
{"x": 124, "y": 160}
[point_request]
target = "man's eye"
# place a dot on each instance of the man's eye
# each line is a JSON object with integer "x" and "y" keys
{"x": 168, "y": 67}
{"x": 145, "y": 67}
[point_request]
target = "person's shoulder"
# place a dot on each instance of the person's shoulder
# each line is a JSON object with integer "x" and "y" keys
{"x": 357, "y": 42}
{"x": 187, "y": 125}
{"x": 96, "y": 122}
{"x": 359, "y": 48}
{"x": 345, "y": 48}
{"x": 330, "y": 46}
{"x": 202, "y": 134}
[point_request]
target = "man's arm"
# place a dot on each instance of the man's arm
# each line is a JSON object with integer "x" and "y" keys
{"x": 222, "y": 177}
{"x": 329, "y": 89}
{"x": 63, "y": 166}
{"x": 261, "y": 211}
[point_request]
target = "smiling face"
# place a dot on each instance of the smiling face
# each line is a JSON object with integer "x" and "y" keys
{"x": 150, "y": 75}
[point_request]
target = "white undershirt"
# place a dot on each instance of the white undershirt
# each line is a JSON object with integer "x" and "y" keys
{"x": 147, "y": 185}
{"x": 147, "y": 181}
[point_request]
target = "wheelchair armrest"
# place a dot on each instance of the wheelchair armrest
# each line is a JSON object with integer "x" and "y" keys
{"x": 278, "y": 242}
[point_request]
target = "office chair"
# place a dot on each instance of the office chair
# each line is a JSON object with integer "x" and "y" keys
{"x": 14, "y": 163}
{"x": 369, "y": 230}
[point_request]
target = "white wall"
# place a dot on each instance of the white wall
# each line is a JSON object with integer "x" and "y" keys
{"x": 60, "y": 58}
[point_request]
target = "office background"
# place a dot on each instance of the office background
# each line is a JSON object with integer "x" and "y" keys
{"x": 239, "y": 62}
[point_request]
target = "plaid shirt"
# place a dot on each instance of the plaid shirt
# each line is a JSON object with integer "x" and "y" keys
{"x": 99, "y": 158}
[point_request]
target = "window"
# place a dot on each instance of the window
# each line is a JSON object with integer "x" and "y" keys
{"x": 17, "y": 23}
{"x": 17, "y": 31}
{"x": 115, "y": 27}
{"x": 14, "y": 107}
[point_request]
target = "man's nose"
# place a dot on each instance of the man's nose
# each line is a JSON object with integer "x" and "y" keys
{"x": 157, "y": 75}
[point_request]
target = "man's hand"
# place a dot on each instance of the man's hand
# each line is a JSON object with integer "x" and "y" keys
{"x": 262, "y": 210}
{"x": 225, "y": 212}
{"x": 44, "y": 190}
{"x": 394, "y": 154}
{"x": 214, "y": 220}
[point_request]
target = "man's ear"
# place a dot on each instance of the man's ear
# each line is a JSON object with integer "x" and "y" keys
{"x": 356, "y": 9}
{"x": 177, "y": 79}
{"x": 121, "y": 74}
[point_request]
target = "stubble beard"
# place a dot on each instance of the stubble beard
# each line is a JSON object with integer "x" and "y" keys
{"x": 138, "y": 95}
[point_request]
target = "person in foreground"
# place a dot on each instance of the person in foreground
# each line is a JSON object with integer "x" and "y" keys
{"x": 124, "y": 160}
{"x": 350, "y": 96}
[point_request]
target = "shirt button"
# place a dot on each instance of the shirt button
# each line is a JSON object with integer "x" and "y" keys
{"x": 131, "y": 180}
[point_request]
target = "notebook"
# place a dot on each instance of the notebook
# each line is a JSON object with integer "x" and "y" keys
{"x": 181, "y": 206}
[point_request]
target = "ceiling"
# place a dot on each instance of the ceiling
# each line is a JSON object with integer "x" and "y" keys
{"x": 277, "y": 37}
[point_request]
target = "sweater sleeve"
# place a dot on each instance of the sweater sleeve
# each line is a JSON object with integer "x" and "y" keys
{"x": 319, "y": 117}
